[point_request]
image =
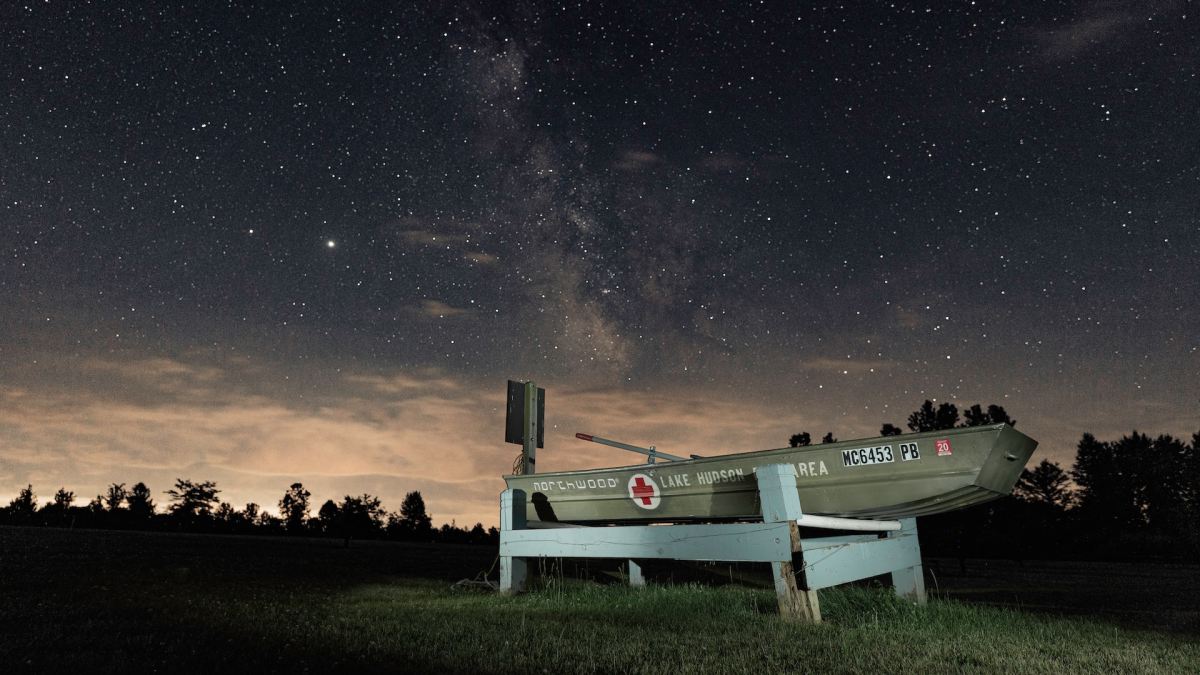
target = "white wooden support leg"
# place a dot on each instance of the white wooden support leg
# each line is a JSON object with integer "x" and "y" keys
{"x": 909, "y": 581}
{"x": 781, "y": 504}
{"x": 513, "y": 570}
{"x": 636, "y": 580}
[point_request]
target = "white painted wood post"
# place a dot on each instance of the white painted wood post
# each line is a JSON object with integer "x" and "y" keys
{"x": 780, "y": 503}
{"x": 636, "y": 579}
{"x": 909, "y": 581}
{"x": 513, "y": 570}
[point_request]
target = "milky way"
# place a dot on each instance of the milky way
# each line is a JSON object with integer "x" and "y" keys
{"x": 311, "y": 242}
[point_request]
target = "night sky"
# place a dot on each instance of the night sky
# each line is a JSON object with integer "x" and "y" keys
{"x": 311, "y": 241}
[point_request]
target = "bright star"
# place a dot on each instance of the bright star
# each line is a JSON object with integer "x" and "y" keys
{"x": 331, "y": 243}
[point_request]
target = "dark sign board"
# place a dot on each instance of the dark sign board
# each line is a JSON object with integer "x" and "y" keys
{"x": 514, "y": 419}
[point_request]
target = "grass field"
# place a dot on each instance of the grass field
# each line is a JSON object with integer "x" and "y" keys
{"x": 88, "y": 600}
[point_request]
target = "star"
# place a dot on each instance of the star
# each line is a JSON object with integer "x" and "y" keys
{"x": 330, "y": 243}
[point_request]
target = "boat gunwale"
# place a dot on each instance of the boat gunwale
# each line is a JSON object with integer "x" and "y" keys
{"x": 694, "y": 461}
{"x": 735, "y": 488}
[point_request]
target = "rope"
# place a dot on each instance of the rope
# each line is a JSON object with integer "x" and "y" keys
{"x": 480, "y": 582}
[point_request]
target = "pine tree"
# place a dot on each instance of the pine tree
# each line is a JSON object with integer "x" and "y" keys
{"x": 1047, "y": 484}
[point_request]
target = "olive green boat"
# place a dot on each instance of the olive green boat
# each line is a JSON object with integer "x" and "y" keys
{"x": 887, "y": 477}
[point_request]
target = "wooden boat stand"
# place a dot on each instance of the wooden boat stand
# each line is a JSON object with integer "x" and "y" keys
{"x": 799, "y": 567}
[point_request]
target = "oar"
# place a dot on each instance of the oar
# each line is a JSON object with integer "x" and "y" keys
{"x": 649, "y": 452}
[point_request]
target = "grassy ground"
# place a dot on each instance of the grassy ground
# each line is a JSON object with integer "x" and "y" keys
{"x": 1161, "y": 596}
{"x": 133, "y": 602}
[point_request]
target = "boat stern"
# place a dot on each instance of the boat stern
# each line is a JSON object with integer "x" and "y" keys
{"x": 1008, "y": 457}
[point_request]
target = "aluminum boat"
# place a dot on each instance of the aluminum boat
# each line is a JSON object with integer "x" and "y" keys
{"x": 886, "y": 477}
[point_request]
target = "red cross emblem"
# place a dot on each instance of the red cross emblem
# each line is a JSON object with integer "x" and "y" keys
{"x": 644, "y": 491}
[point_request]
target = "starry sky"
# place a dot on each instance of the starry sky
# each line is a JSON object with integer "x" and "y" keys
{"x": 310, "y": 241}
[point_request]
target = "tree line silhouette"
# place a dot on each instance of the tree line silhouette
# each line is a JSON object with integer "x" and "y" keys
{"x": 1137, "y": 497}
{"x": 1133, "y": 498}
{"x": 195, "y": 507}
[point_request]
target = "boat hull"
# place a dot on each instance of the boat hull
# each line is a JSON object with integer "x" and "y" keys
{"x": 888, "y": 477}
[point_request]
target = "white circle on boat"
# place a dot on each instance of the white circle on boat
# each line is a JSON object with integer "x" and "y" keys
{"x": 644, "y": 491}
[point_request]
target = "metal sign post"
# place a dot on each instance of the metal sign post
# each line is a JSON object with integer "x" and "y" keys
{"x": 524, "y": 422}
{"x": 529, "y": 442}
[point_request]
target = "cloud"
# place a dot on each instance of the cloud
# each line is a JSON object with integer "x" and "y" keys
{"x": 431, "y": 238}
{"x": 723, "y": 162}
{"x": 846, "y": 366}
{"x": 405, "y": 382}
{"x": 908, "y": 318}
{"x": 481, "y": 258}
{"x": 679, "y": 422}
{"x": 386, "y": 432}
{"x": 154, "y": 369}
{"x": 454, "y": 237}
{"x": 1100, "y": 23}
{"x": 636, "y": 160}
{"x": 406, "y": 430}
{"x": 440, "y": 310}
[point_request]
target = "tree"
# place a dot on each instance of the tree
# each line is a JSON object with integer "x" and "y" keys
{"x": 269, "y": 523}
{"x": 1139, "y": 488}
{"x": 23, "y": 506}
{"x": 926, "y": 418}
{"x": 1046, "y": 484}
{"x": 1193, "y": 476}
{"x": 828, "y": 438}
{"x": 139, "y": 503}
{"x": 64, "y": 498}
{"x": 452, "y": 534}
{"x": 226, "y": 515}
{"x": 1108, "y": 487}
{"x": 293, "y": 507}
{"x": 327, "y": 516}
{"x": 250, "y": 513}
{"x": 977, "y": 417}
{"x": 115, "y": 496}
{"x": 889, "y": 429}
{"x": 191, "y": 500}
{"x": 1164, "y": 470}
{"x": 1191, "y": 492}
{"x": 56, "y": 511}
{"x": 360, "y": 517}
{"x": 800, "y": 440}
{"x": 414, "y": 522}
